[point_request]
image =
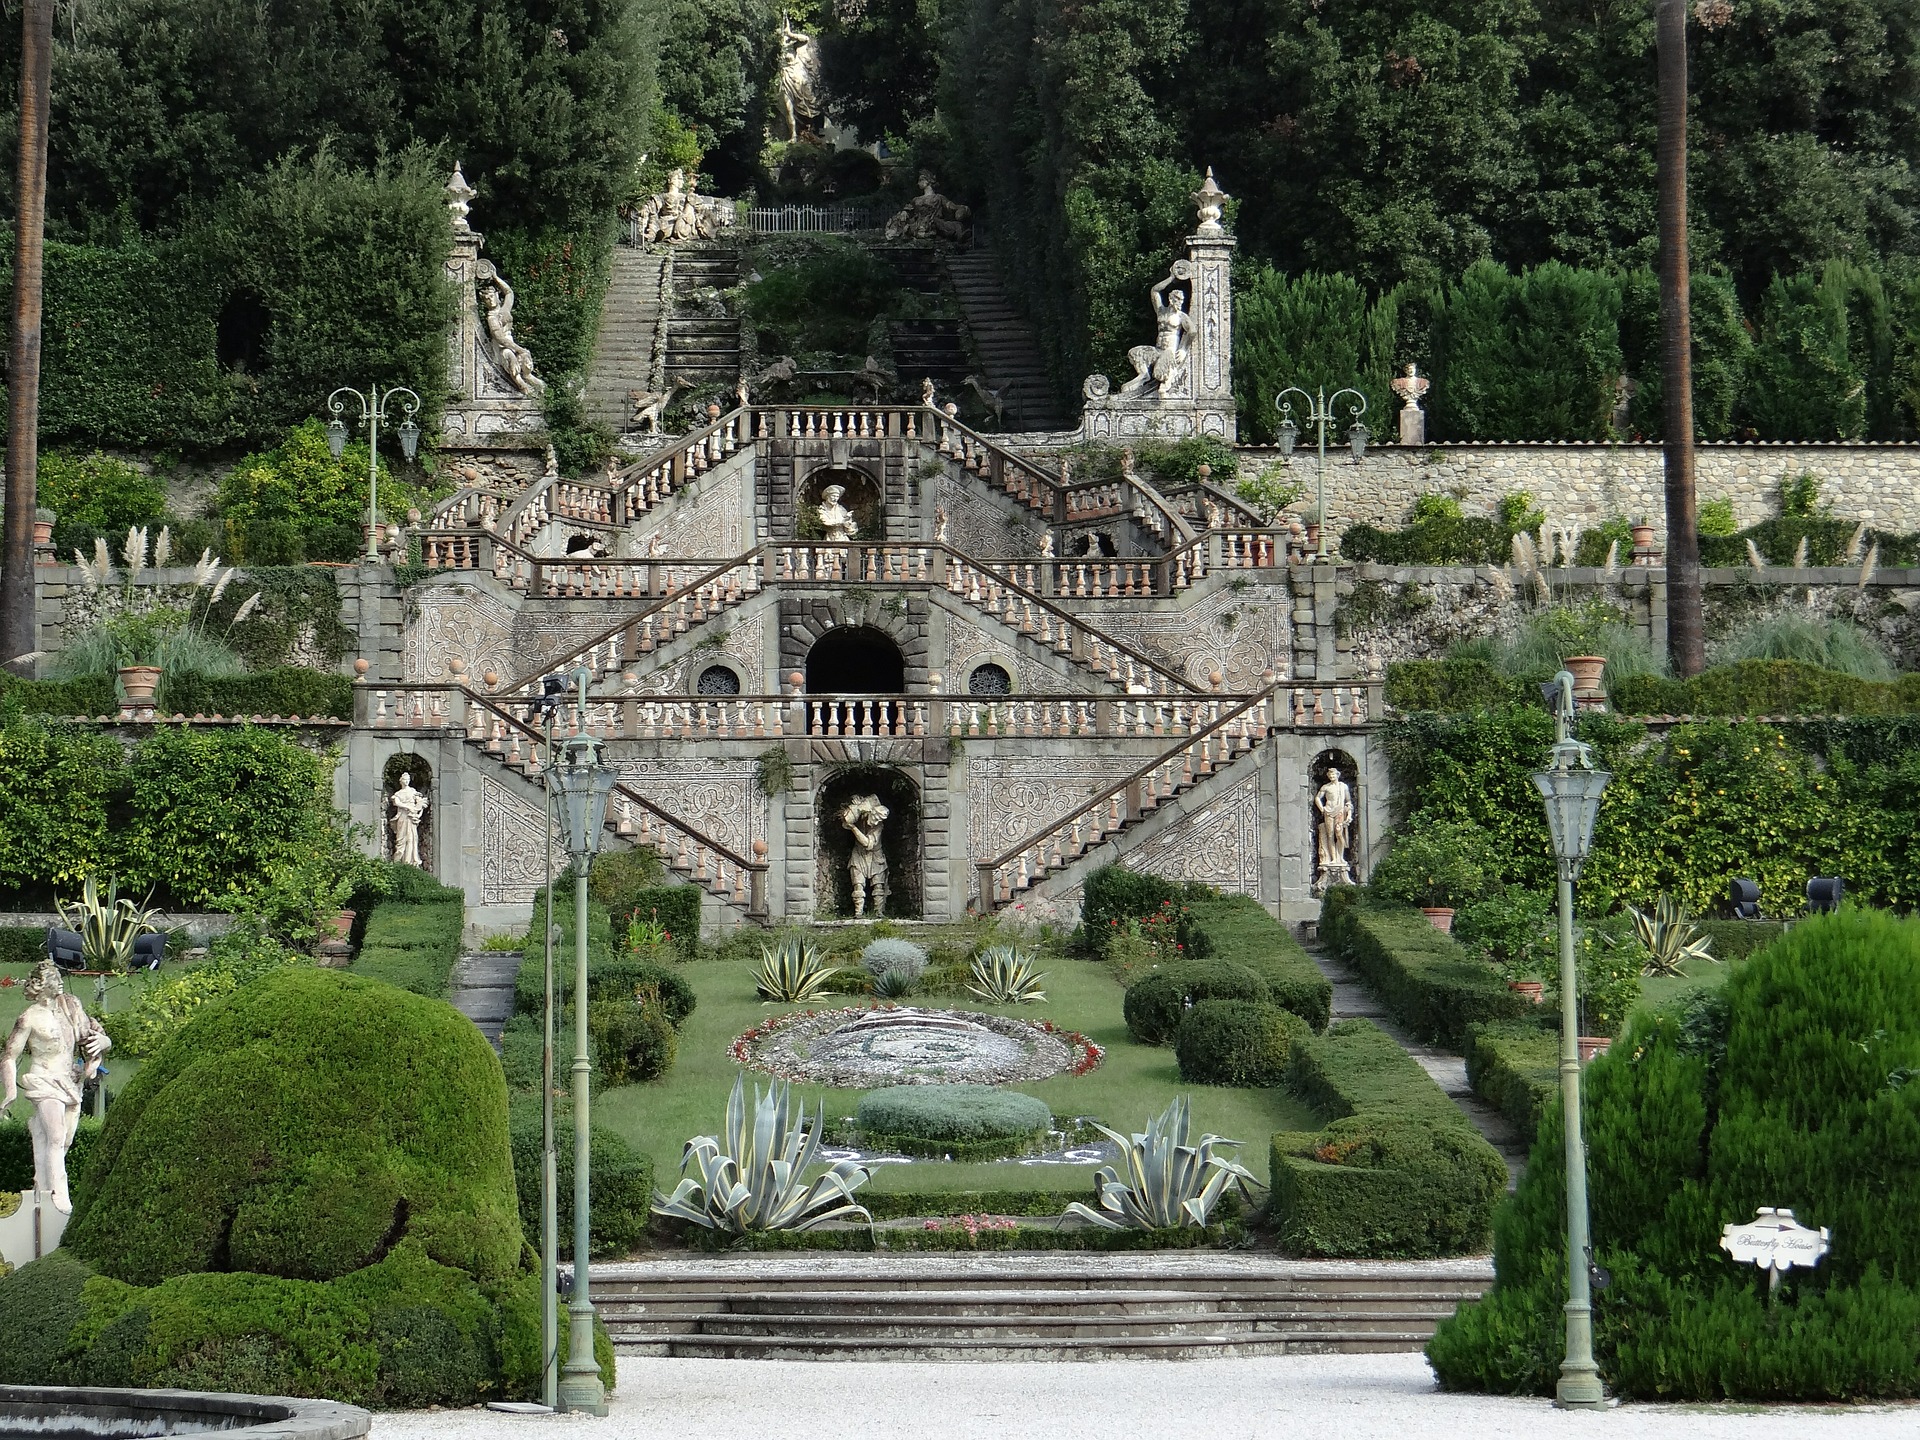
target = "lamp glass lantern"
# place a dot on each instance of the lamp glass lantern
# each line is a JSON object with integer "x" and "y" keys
{"x": 1289, "y": 435}
{"x": 1357, "y": 440}
{"x": 581, "y": 785}
{"x": 1572, "y": 795}
{"x": 409, "y": 434}
{"x": 336, "y": 437}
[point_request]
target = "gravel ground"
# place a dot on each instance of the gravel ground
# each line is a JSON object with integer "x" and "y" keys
{"x": 1329, "y": 1397}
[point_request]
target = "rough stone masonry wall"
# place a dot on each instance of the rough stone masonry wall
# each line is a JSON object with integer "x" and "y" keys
{"x": 1582, "y": 485}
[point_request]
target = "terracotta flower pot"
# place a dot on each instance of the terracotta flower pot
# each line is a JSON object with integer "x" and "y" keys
{"x": 1586, "y": 670}
{"x": 1592, "y": 1045}
{"x": 139, "y": 682}
{"x": 1533, "y": 990}
{"x": 339, "y": 926}
{"x": 1642, "y": 537}
{"x": 1439, "y": 916}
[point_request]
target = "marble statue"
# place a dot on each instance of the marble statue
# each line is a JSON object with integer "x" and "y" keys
{"x": 835, "y": 518}
{"x": 52, "y": 1028}
{"x": 1163, "y": 364}
{"x": 865, "y": 818}
{"x": 1046, "y": 546}
{"x": 941, "y": 520}
{"x": 515, "y": 360}
{"x": 1411, "y": 387}
{"x": 929, "y": 216}
{"x": 799, "y": 77}
{"x": 409, "y": 809}
{"x": 1333, "y": 803}
{"x": 926, "y": 391}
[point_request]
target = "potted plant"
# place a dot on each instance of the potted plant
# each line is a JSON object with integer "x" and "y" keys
{"x": 1587, "y": 670}
{"x": 1434, "y": 870}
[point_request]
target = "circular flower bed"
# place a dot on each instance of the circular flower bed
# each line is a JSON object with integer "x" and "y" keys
{"x": 868, "y": 1046}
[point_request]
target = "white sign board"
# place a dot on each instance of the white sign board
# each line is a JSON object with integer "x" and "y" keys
{"x": 1774, "y": 1241}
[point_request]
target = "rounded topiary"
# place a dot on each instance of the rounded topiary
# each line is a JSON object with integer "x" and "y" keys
{"x": 973, "y": 1119}
{"x": 1156, "y": 1003}
{"x": 1237, "y": 1042}
{"x": 885, "y": 956}
{"x": 302, "y": 1128}
{"x": 39, "y": 1304}
{"x": 631, "y": 1041}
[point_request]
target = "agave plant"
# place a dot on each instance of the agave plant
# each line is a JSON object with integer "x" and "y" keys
{"x": 107, "y": 925}
{"x": 1669, "y": 936}
{"x": 894, "y": 984}
{"x": 1169, "y": 1181}
{"x": 751, "y": 1179}
{"x": 1003, "y": 975}
{"x": 792, "y": 970}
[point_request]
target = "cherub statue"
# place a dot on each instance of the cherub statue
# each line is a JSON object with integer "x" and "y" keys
{"x": 52, "y": 1028}
{"x": 866, "y": 818}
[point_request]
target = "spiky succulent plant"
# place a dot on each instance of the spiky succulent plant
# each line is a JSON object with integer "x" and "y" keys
{"x": 1166, "y": 1180}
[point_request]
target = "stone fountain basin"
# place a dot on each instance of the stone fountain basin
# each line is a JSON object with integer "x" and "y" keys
{"x": 61, "y": 1412}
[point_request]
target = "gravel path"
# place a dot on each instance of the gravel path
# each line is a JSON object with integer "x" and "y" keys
{"x": 1331, "y": 1397}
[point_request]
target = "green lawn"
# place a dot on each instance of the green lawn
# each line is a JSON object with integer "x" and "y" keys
{"x": 1131, "y": 1085}
{"x": 1659, "y": 991}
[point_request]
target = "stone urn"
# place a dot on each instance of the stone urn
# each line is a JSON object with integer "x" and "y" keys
{"x": 1592, "y": 1045}
{"x": 1440, "y": 917}
{"x": 1586, "y": 671}
{"x": 1533, "y": 991}
{"x": 138, "y": 683}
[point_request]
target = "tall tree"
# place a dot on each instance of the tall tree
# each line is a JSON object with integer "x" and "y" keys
{"x": 17, "y": 637}
{"x": 1686, "y": 637}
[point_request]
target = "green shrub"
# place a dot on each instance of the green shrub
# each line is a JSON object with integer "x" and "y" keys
{"x": 288, "y": 690}
{"x": 1424, "y": 978}
{"x": 96, "y": 493}
{"x": 1113, "y": 896}
{"x": 1512, "y": 927}
{"x": 39, "y": 1305}
{"x": 977, "y": 1121}
{"x": 1238, "y": 929}
{"x": 1767, "y": 687}
{"x": 632, "y": 1041}
{"x": 1398, "y": 1170}
{"x": 235, "y": 959}
{"x": 414, "y": 946}
{"x": 1801, "y": 1099}
{"x": 1515, "y": 1067}
{"x": 1237, "y": 1042}
{"x": 607, "y": 979}
{"x": 90, "y": 695}
{"x": 1456, "y": 683}
{"x": 287, "y": 1129}
{"x": 1737, "y": 939}
{"x": 619, "y": 1183}
{"x": 1156, "y": 1002}
{"x": 1824, "y": 641}
{"x": 1608, "y": 960}
{"x": 297, "y": 502}
{"x": 885, "y": 956}
{"x": 1441, "y": 865}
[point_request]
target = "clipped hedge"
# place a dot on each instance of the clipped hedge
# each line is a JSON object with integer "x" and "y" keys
{"x": 1237, "y": 1042}
{"x": 1515, "y": 1067}
{"x": 1427, "y": 981}
{"x": 287, "y": 690}
{"x": 1451, "y": 685}
{"x": 1737, "y": 939}
{"x": 619, "y": 1182}
{"x": 1767, "y": 687}
{"x": 1397, "y": 1172}
{"x": 39, "y": 1306}
{"x": 607, "y": 979}
{"x": 92, "y": 695}
{"x": 414, "y": 944}
{"x": 966, "y": 1121}
{"x": 293, "y": 1129}
{"x": 1158, "y": 1001}
{"x": 1113, "y": 896}
{"x": 1239, "y": 929}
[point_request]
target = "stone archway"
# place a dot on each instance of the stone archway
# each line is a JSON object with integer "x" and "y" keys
{"x": 900, "y": 839}
{"x": 856, "y": 660}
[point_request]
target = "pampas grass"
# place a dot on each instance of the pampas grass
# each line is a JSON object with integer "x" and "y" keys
{"x": 1830, "y": 643}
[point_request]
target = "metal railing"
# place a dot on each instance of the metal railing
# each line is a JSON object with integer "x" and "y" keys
{"x": 813, "y": 219}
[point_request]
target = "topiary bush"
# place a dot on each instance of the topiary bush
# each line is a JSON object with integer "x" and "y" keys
{"x": 965, "y": 1121}
{"x": 1427, "y": 980}
{"x": 1157, "y": 1002}
{"x": 619, "y": 1180}
{"x": 300, "y": 1129}
{"x": 1237, "y": 1042}
{"x": 1113, "y": 896}
{"x": 413, "y": 945}
{"x": 632, "y": 1041}
{"x": 607, "y": 979}
{"x": 1237, "y": 928}
{"x": 1791, "y": 1087}
{"x": 39, "y": 1305}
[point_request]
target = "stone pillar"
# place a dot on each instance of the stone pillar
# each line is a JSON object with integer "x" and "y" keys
{"x": 1210, "y": 261}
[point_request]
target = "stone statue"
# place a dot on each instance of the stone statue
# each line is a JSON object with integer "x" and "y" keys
{"x": 409, "y": 809}
{"x": 1046, "y": 546}
{"x": 799, "y": 73}
{"x": 835, "y": 518}
{"x": 865, "y": 818}
{"x": 52, "y": 1028}
{"x": 929, "y": 216}
{"x": 515, "y": 360}
{"x": 926, "y": 391}
{"x": 940, "y": 522}
{"x": 1163, "y": 364}
{"x": 1333, "y": 803}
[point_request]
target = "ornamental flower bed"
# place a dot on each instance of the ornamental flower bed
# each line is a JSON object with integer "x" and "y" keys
{"x": 872, "y": 1045}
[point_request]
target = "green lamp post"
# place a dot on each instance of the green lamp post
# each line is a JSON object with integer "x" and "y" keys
{"x": 581, "y": 784}
{"x": 1321, "y": 414}
{"x": 1571, "y": 788}
{"x": 373, "y": 409}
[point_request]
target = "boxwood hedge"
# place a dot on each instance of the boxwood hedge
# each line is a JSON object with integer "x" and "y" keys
{"x": 1427, "y": 981}
{"x": 977, "y": 1120}
{"x": 1158, "y": 1001}
{"x": 1237, "y": 1042}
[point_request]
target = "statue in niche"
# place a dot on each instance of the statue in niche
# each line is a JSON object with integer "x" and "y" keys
{"x": 1163, "y": 364}
{"x": 941, "y": 522}
{"x": 54, "y": 1030}
{"x": 835, "y": 519}
{"x": 1333, "y": 804}
{"x": 865, "y": 818}
{"x": 799, "y": 77}
{"x": 514, "y": 359}
{"x": 409, "y": 809}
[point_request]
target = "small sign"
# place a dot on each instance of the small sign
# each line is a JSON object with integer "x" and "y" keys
{"x": 1775, "y": 1242}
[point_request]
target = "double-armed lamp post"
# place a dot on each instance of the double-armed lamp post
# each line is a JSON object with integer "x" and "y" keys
{"x": 373, "y": 406}
{"x": 581, "y": 784}
{"x": 1571, "y": 788}
{"x": 1320, "y": 414}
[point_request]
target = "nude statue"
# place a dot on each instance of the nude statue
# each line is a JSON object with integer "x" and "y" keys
{"x": 1163, "y": 364}
{"x": 1333, "y": 803}
{"x": 516, "y": 361}
{"x": 409, "y": 808}
{"x": 835, "y": 518}
{"x": 865, "y": 818}
{"x": 51, "y": 1029}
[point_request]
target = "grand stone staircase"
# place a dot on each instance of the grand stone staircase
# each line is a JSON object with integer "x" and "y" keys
{"x": 1066, "y": 1306}
{"x": 1006, "y": 344}
{"x": 625, "y": 345}
{"x": 703, "y": 344}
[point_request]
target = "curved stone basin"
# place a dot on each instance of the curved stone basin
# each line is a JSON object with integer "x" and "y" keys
{"x": 60, "y": 1412}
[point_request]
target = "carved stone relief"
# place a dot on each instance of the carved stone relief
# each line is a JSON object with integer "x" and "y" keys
{"x": 978, "y": 527}
{"x": 1012, "y": 797}
{"x": 512, "y": 846}
{"x": 714, "y": 525}
{"x": 968, "y": 644}
{"x": 1217, "y": 845}
{"x": 744, "y": 646}
{"x": 717, "y": 797}
{"x": 1240, "y": 633}
{"x": 457, "y": 620}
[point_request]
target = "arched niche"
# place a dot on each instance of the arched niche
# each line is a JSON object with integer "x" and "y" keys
{"x": 856, "y": 660}
{"x": 900, "y": 840}
{"x": 420, "y": 777}
{"x": 863, "y": 497}
{"x": 1345, "y": 867}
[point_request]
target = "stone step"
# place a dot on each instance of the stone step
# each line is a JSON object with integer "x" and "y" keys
{"x": 1052, "y": 1348}
{"x": 1032, "y": 1302}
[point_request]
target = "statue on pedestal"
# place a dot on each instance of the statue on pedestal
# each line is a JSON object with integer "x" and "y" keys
{"x": 1163, "y": 364}
{"x": 409, "y": 809}
{"x": 1333, "y": 803}
{"x": 865, "y": 818}
{"x": 1411, "y": 387}
{"x": 835, "y": 518}
{"x": 52, "y": 1028}
{"x": 514, "y": 359}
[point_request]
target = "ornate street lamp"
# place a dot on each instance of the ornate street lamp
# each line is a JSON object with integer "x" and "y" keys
{"x": 1571, "y": 788}
{"x": 581, "y": 784}
{"x": 373, "y": 406}
{"x": 1320, "y": 414}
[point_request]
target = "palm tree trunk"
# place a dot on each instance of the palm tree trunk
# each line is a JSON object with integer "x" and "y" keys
{"x": 1686, "y": 640}
{"x": 17, "y": 598}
